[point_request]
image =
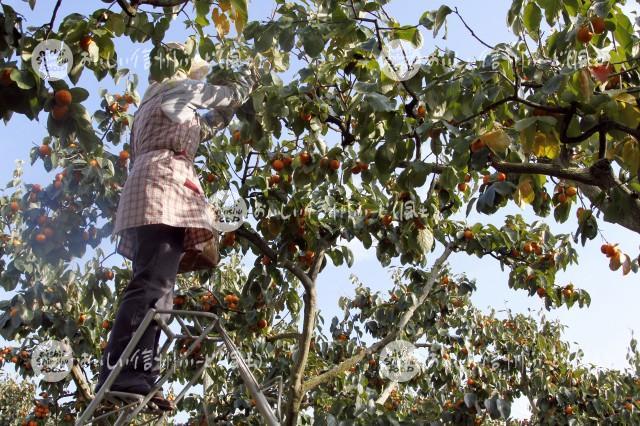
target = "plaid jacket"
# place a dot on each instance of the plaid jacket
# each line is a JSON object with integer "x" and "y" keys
{"x": 162, "y": 186}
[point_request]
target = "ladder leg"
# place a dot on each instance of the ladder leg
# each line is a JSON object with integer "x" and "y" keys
{"x": 249, "y": 380}
{"x": 129, "y": 411}
{"x": 128, "y": 350}
{"x": 171, "y": 370}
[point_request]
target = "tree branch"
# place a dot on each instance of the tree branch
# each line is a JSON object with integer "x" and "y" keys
{"x": 602, "y": 148}
{"x": 599, "y": 174}
{"x": 81, "y": 382}
{"x": 513, "y": 98}
{"x": 263, "y": 247}
{"x": 603, "y": 126}
{"x": 473, "y": 34}
{"x": 596, "y": 175}
{"x": 296, "y": 391}
{"x": 132, "y": 9}
{"x": 347, "y": 137}
{"x": 53, "y": 15}
{"x": 310, "y": 307}
{"x": 599, "y": 200}
{"x": 376, "y": 347}
{"x": 386, "y": 392}
{"x": 128, "y": 9}
{"x": 159, "y": 3}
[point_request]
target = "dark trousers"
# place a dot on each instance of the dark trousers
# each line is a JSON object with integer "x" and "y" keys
{"x": 158, "y": 250}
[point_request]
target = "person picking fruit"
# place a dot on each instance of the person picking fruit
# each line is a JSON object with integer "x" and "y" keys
{"x": 162, "y": 211}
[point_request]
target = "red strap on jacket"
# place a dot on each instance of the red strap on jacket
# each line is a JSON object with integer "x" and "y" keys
{"x": 192, "y": 186}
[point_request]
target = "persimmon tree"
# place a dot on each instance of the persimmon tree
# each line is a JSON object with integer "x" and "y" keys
{"x": 343, "y": 152}
{"x": 16, "y": 400}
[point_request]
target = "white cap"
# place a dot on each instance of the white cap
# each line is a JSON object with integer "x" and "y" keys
{"x": 199, "y": 67}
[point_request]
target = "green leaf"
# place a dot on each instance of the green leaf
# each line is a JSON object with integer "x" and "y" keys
{"x": 427, "y": 20}
{"x": 202, "y": 7}
{"x": 524, "y": 123}
{"x": 561, "y": 212}
{"x": 286, "y": 40}
{"x": 514, "y": 11}
{"x": 206, "y": 48}
{"x": 601, "y": 8}
{"x": 532, "y": 18}
{"x": 504, "y": 188}
{"x": 470, "y": 399}
{"x": 348, "y": 256}
{"x": 491, "y": 404}
{"x": 106, "y": 47}
{"x": 384, "y": 157}
{"x": 24, "y": 79}
{"x": 414, "y": 176}
{"x": 554, "y": 84}
{"x": 410, "y": 34}
{"x": 293, "y": 302}
{"x": 264, "y": 39}
{"x": 336, "y": 256}
{"x": 312, "y": 41}
{"x": 79, "y": 94}
{"x": 571, "y": 7}
{"x": 486, "y": 201}
{"x": 379, "y": 102}
{"x": 551, "y": 10}
{"x": 441, "y": 16}
{"x": 160, "y": 29}
{"x": 623, "y": 33}
{"x": 116, "y": 24}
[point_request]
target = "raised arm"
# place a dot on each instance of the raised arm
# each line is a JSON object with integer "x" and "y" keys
{"x": 180, "y": 102}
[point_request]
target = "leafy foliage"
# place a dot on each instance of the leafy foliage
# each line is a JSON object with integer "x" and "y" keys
{"x": 533, "y": 122}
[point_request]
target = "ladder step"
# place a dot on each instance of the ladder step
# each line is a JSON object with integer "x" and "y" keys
{"x": 126, "y": 405}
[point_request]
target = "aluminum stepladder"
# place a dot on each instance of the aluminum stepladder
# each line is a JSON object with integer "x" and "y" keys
{"x": 127, "y": 405}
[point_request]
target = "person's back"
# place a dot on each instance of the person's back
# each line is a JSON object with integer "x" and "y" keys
{"x": 163, "y": 186}
{"x": 162, "y": 211}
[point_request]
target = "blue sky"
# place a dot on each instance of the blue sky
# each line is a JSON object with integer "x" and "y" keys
{"x": 603, "y": 331}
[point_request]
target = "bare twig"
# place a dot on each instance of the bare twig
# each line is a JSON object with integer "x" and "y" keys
{"x": 473, "y": 34}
